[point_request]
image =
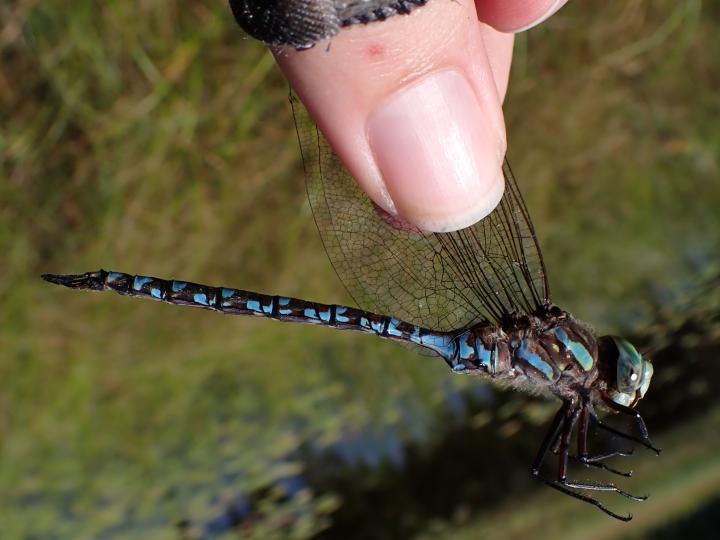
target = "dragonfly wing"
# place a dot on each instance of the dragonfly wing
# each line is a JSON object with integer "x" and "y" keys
{"x": 441, "y": 281}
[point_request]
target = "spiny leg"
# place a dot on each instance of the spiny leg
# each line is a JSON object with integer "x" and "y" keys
{"x": 550, "y": 438}
{"x": 590, "y": 500}
{"x": 583, "y": 456}
{"x": 560, "y": 431}
{"x": 638, "y": 440}
{"x": 601, "y": 486}
{"x": 568, "y": 425}
{"x": 594, "y": 460}
{"x": 582, "y": 445}
{"x": 565, "y": 445}
{"x": 571, "y": 416}
{"x": 644, "y": 440}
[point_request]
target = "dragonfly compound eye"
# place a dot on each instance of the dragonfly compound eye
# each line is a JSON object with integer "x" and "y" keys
{"x": 633, "y": 373}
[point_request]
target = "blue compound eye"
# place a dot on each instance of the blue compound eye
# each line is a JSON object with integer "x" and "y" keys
{"x": 629, "y": 366}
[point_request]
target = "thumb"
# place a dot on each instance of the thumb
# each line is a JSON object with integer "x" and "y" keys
{"x": 412, "y": 106}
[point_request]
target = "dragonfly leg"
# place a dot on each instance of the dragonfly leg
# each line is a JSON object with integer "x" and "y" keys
{"x": 582, "y": 446}
{"x": 602, "y": 486}
{"x": 644, "y": 440}
{"x": 567, "y": 427}
{"x": 571, "y": 416}
{"x": 590, "y": 500}
{"x": 550, "y": 438}
{"x": 594, "y": 460}
{"x": 584, "y": 411}
{"x": 558, "y": 437}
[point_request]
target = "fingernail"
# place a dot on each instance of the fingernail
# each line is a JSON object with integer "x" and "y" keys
{"x": 552, "y": 8}
{"x": 439, "y": 153}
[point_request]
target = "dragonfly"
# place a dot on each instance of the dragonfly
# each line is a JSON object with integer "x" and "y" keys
{"x": 478, "y": 298}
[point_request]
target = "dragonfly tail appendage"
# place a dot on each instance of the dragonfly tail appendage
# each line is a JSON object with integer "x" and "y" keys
{"x": 91, "y": 281}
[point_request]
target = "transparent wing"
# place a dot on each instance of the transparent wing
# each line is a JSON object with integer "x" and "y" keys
{"x": 441, "y": 281}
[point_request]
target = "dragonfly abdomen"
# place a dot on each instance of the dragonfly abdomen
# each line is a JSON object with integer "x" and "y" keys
{"x": 240, "y": 302}
{"x": 482, "y": 350}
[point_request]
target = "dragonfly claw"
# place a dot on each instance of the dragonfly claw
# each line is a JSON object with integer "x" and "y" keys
{"x": 565, "y": 487}
{"x": 602, "y": 487}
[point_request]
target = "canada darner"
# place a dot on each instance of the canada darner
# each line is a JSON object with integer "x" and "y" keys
{"x": 478, "y": 298}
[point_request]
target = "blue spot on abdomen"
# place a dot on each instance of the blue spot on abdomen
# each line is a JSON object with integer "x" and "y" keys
{"x": 392, "y": 328}
{"x": 114, "y": 276}
{"x": 484, "y": 355}
{"x": 139, "y": 281}
{"x": 340, "y": 315}
{"x": 200, "y": 298}
{"x": 228, "y": 293}
{"x": 178, "y": 286}
{"x": 311, "y": 314}
{"x": 442, "y": 344}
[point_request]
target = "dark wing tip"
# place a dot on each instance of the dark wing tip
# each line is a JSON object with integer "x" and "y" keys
{"x": 88, "y": 280}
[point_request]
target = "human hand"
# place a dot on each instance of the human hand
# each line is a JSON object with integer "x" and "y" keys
{"x": 413, "y": 105}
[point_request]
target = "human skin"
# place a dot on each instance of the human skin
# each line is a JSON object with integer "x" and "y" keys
{"x": 413, "y": 105}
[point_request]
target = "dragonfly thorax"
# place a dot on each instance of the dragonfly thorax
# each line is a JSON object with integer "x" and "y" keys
{"x": 536, "y": 351}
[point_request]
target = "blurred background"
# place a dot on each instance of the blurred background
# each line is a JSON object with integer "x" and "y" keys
{"x": 152, "y": 137}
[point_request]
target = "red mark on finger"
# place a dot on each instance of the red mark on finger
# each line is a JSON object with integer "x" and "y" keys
{"x": 375, "y": 51}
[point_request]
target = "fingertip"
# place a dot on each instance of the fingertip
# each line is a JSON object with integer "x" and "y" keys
{"x": 516, "y": 16}
{"x": 438, "y": 153}
{"x": 499, "y": 50}
{"x": 461, "y": 218}
{"x": 420, "y": 128}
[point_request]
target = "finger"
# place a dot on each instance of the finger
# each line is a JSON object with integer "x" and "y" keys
{"x": 516, "y": 15}
{"x": 499, "y": 48}
{"x": 411, "y": 106}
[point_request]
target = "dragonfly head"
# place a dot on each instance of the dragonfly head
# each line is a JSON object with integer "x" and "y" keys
{"x": 628, "y": 373}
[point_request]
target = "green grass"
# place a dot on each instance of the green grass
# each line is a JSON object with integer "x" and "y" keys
{"x": 152, "y": 137}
